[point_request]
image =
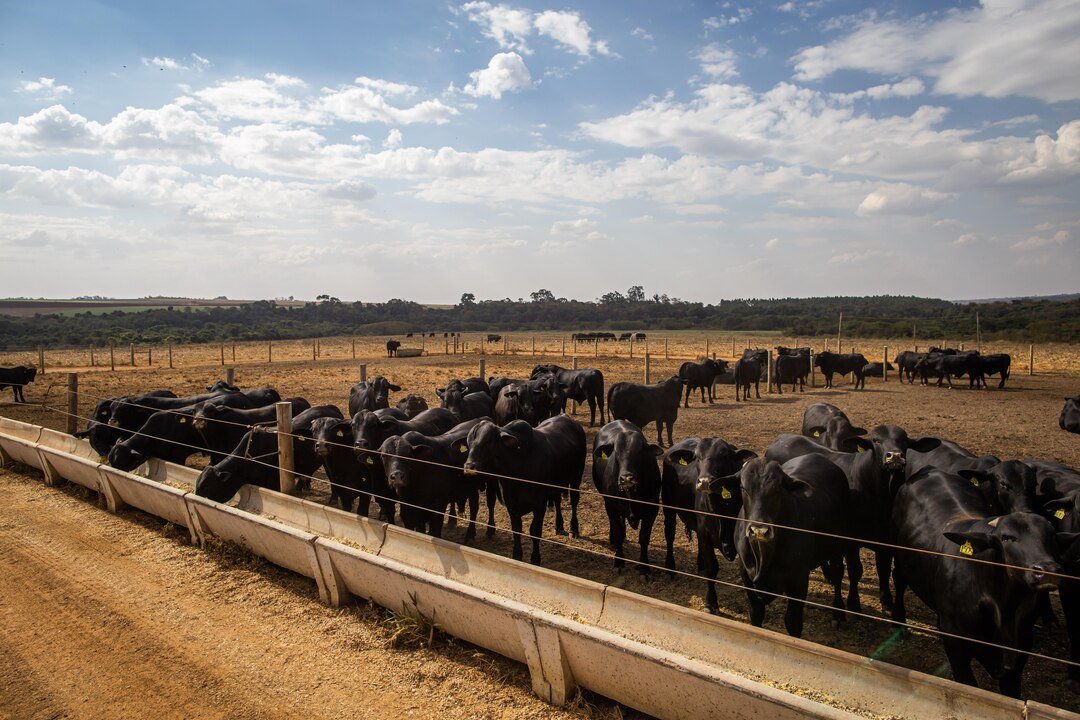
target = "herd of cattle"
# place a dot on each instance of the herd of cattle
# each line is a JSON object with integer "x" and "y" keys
{"x": 810, "y": 500}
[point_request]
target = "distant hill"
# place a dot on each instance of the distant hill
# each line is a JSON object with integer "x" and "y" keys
{"x": 1051, "y": 298}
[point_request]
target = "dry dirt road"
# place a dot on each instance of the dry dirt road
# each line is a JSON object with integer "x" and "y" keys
{"x": 105, "y": 616}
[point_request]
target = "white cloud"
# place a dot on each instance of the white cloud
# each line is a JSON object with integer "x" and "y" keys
{"x": 506, "y": 72}
{"x": 507, "y": 26}
{"x": 772, "y": 243}
{"x": 902, "y": 199}
{"x": 265, "y": 99}
{"x": 1038, "y": 242}
{"x": 45, "y": 86}
{"x": 198, "y": 63}
{"x": 717, "y": 62}
{"x": 366, "y": 101}
{"x": 642, "y": 34}
{"x": 1018, "y": 47}
{"x": 966, "y": 239}
{"x": 393, "y": 139}
{"x": 568, "y": 29}
{"x": 909, "y": 87}
{"x": 854, "y": 257}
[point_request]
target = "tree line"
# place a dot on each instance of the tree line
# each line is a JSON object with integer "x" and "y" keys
{"x": 871, "y": 316}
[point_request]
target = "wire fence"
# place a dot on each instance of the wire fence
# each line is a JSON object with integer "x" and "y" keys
{"x": 558, "y": 488}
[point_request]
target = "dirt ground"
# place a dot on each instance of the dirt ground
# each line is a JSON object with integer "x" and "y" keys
{"x": 1020, "y": 421}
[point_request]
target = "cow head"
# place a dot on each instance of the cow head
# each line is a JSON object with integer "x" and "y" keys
{"x": 328, "y": 432}
{"x": 1023, "y": 541}
{"x": 1010, "y": 485}
{"x": 412, "y": 405}
{"x": 622, "y": 457}
{"x": 765, "y": 493}
{"x": 124, "y": 458}
{"x": 491, "y": 447}
{"x": 398, "y": 455}
{"x": 217, "y": 485}
{"x": 890, "y": 444}
{"x": 839, "y": 434}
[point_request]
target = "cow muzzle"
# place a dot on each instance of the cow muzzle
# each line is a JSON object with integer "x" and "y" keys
{"x": 470, "y": 468}
{"x": 1044, "y": 576}
{"x": 759, "y": 533}
{"x": 894, "y": 460}
{"x": 114, "y": 423}
{"x": 627, "y": 482}
{"x": 199, "y": 423}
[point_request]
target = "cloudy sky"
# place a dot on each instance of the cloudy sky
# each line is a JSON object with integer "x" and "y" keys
{"x": 373, "y": 150}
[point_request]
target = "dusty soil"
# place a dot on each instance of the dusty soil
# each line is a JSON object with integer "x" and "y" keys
{"x": 1020, "y": 421}
{"x": 118, "y": 617}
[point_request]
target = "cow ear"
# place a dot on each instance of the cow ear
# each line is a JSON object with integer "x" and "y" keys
{"x": 1058, "y": 508}
{"x": 970, "y": 542}
{"x": 817, "y": 431}
{"x": 654, "y": 450}
{"x": 746, "y": 455}
{"x": 603, "y": 451}
{"x": 440, "y": 391}
{"x": 511, "y": 393}
{"x": 681, "y": 457}
{"x": 860, "y": 445}
{"x": 977, "y": 477}
{"x": 725, "y": 488}
{"x": 387, "y": 422}
{"x": 421, "y": 450}
{"x": 461, "y": 447}
{"x": 857, "y": 432}
{"x": 510, "y": 440}
{"x": 395, "y": 388}
{"x": 925, "y": 444}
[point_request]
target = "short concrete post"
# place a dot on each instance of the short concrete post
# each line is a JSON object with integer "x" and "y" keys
{"x": 230, "y": 376}
{"x": 646, "y": 368}
{"x": 1031, "y": 360}
{"x": 41, "y": 359}
{"x": 885, "y": 365}
{"x": 72, "y": 403}
{"x": 483, "y": 376}
{"x": 769, "y": 374}
{"x": 112, "y": 357}
{"x": 363, "y": 372}
{"x": 286, "y": 478}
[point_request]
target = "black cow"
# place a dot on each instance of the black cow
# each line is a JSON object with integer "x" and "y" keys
{"x": 808, "y": 492}
{"x": 831, "y": 428}
{"x": 905, "y": 364}
{"x": 128, "y": 415}
{"x": 747, "y": 372}
{"x": 552, "y": 453}
{"x": 169, "y": 435}
{"x": 392, "y": 348}
{"x": 841, "y": 363}
{"x": 222, "y": 386}
{"x": 1070, "y": 415}
{"x": 371, "y": 395}
{"x": 103, "y": 435}
{"x": 762, "y": 357}
{"x": 468, "y": 406}
{"x": 412, "y": 405}
{"x": 944, "y": 367}
{"x": 871, "y": 473}
{"x": 254, "y": 460}
{"x": 17, "y": 378}
{"x": 585, "y": 385}
{"x": 876, "y": 369}
{"x": 222, "y": 426}
{"x": 941, "y": 513}
{"x": 625, "y": 472}
{"x": 994, "y": 364}
{"x": 466, "y": 386}
{"x": 530, "y": 400}
{"x": 950, "y": 457}
{"x": 491, "y": 338}
{"x": 643, "y": 404}
{"x": 691, "y": 492}
{"x": 701, "y": 375}
{"x": 333, "y": 438}
{"x": 370, "y": 431}
{"x": 496, "y": 384}
{"x": 793, "y": 368}
{"x": 427, "y": 488}
{"x": 781, "y": 351}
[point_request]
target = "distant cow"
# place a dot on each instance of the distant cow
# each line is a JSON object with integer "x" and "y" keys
{"x": 1070, "y": 415}
{"x": 466, "y": 386}
{"x": 412, "y": 405}
{"x": 701, "y": 375}
{"x": 17, "y": 378}
{"x": 747, "y": 372}
{"x": 906, "y": 362}
{"x": 371, "y": 395}
{"x": 222, "y": 426}
{"x": 392, "y": 348}
{"x": 491, "y": 338}
{"x": 584, "y": 385}
{"x": 828, "y": 426}
{"x": 944, "y": 367}
{"x": 791, "y": 368}
{"x": 841, "y": 363}
{"x": 644, "y": 404}
{"x": 876, "y": 369}
{"x": 468, "y": 406}
{"x": 994, "y": 364}
{"x": 100, "y": 430}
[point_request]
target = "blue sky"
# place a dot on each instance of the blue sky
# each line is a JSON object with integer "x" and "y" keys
{"x": 422, "y": 150}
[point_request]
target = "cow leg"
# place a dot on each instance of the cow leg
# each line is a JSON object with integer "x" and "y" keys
{"x": 702, "y": 394}
{"x": 492, "y": 495}
{"x": 796, "y": 604}
{"x": 670, "y": 425}
{"x": 644, "y": 535}
{"x": 575, "y": 496}
{"x": 363, "y": 505}
{"x": 855, "y": 573}
{"x": 560, "y": 528}
{"x": 536, "y": 529}
{"x": 434, "y": 524}
{"x": 959, "y": 655}
{"x": 1070, "y": 604}
{"x": 899, "y": 612}
{"x": 669, "y": 538}
{"x": 616, "y": 534}
{"x": 686, "y": 396}
{"x": 883, "y": 560}
{"x": 708, "y": 566}
{"x": 659, "y": 432}
{"x": 516, "y": 527}
{"x": 757, "y": 388}
{"x": 474, "y": 507}
{"x": 592, "y": 412}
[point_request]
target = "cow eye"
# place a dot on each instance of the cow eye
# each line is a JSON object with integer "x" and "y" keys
{"x": 1009, "y": 538}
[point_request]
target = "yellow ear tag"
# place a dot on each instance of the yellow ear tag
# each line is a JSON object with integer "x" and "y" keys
{"x": 369, "y": 461}
{"x": 341, "y": 433}
{"x": 725, "y": 493}
{"x": 975, "y": 482}
{"x": 463, "y": 448}
{"x": 682, "y": 461}
{"x": 183, "y": 420}
{"x": 859, "y": 449}
{"x": 817, "y": 434}
{"x": 966, "y": 548}
{"x": 603, "y": 456}
{"x": 1060, "y": 513}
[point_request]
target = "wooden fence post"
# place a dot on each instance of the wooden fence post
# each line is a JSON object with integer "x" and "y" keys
{"x": 732, "y": 346}
{"x": 631, "y": 347}
{"x": 234, "y": 351}
{"x": 314, "y": 353}
{"x": 73, "y": 403}
{"x": 270, "y": 351}
{"x": 41, "y": 359}
{"x": 534, "y": 346}
{"x": 483, "y": 375}
{"x": 170, "y": 357}
{"x": 150, "y": 357}
{"x": 811, "y": 367}
{"x": 91, "y": 356}
{"x": 354, "y": 348}
{"x": 230, "y": 376}
{"x": 131, "y": 347}
{"x": 112, "y": 356}
{"x": 564, "y": 346}
{"x": 286, "y": 478}
{"x": 455, "y": 344}
{"x": 363, "y": 372}
{"x": 885, "y": 365}
{"x": 1031, "y": 360}
{"x": 666, "y": 349}
{"x": 706, "y": 347}
{"x": 222, "y": 348}
{"x": 596, "y": 347}
{"x": 506, "y": 341}
{"x": 646, "y": 368}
